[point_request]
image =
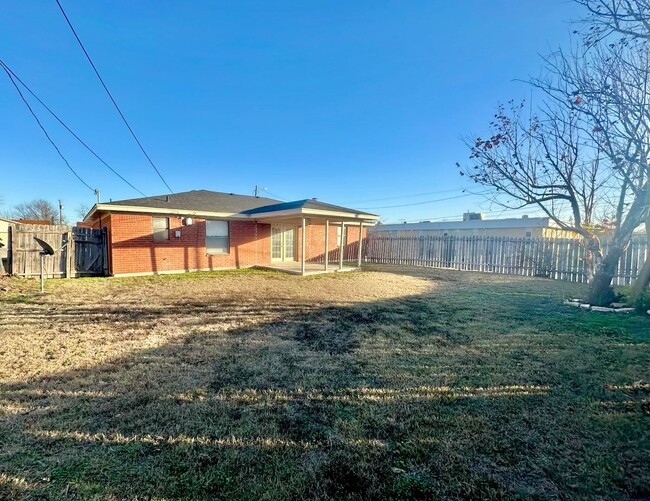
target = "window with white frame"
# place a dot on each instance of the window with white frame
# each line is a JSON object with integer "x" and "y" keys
{"x": 161, "y": 228}
{"x": 345, "y": 235}
{"x": 217, "y": 237}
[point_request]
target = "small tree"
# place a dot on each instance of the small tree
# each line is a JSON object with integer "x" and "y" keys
{"x": 82, "y": 210}
{"x": 36, "y": 209}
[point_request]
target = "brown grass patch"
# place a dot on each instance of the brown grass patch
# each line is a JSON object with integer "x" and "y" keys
{"x": 391, "y": 383}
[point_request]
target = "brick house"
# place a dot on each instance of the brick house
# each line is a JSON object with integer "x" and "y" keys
{"x": 206, "y": 230}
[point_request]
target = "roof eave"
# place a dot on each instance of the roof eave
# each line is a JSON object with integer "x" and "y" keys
{"x": 162, "y": 211}
{"x": 320, "y": 213}
{"x": 298, "y": 212}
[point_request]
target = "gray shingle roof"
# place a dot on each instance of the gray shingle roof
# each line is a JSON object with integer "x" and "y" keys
{"x": 212, "y": 201}
{"x": 200, "y": 200}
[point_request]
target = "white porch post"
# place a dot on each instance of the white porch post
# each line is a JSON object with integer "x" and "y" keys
{"x": 327, "y": 242}
{"x": 341, "y": 249}
{"x": 302, "y": 256}
{"x": 360, "y": 243}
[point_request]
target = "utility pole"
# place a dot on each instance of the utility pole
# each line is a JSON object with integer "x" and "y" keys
{"x": 97, "y": 194}
{"x": 257, "y": 191}
{"x": 60, "y": 212}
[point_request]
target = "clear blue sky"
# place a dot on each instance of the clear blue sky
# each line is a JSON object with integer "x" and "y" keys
{"x": 346, "y": 101}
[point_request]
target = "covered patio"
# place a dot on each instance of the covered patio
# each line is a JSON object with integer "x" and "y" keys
{"x": 320, "y": 228}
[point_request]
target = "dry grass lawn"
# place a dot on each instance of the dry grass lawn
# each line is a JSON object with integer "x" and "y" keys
{"x": 392, "y": 383}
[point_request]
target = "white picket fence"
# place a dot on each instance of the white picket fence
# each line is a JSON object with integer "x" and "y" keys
{"x": 556, "y": 258}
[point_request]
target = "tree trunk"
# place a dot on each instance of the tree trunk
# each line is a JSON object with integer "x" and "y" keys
{"x": 601, "y": 292}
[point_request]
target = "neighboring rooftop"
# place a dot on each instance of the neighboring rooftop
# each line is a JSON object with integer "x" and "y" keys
{"x": 471, "y": 224}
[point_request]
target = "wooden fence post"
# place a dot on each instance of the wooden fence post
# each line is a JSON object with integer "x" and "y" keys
{"x": 556, "y": 258}
{"x": 69, "y": 253}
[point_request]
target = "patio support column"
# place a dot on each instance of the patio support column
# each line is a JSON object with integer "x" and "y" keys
{"x": 302, "y": 254}
{"x": 359, "y": 254}
{"x": 327, "y": 242}
{"x": 341, "y": 249}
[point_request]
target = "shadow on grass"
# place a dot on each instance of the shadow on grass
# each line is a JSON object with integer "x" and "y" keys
{"x": 401, "y": 399}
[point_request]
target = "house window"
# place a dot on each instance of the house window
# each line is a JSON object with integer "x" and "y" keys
{"x": 217, "y": 238}
{"x": 161, "y": 228}
{"x": 345, "y": 235}
{"x": 528, "y": 234}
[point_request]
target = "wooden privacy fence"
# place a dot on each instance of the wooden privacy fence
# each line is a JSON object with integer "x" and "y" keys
{"x": 556, "y": 258}
{"x": 82, "y": 251}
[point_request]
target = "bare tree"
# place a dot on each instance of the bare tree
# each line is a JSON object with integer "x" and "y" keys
{"x": 607, "y": 88}
{"x": 597, "y": 107}
{"x": 628, "y": 18}
{"x": 82, "y": 210}
{"x": 544, "y": 160}
{"x": 36, "y": 209}
{"x": 628, "y": 23}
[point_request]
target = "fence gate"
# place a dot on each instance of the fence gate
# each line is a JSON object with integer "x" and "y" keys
{"x": 89, "y": 248}
{"x": 84, "y": 254}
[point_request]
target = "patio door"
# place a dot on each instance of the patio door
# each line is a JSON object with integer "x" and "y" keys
{"x": 283, "y": 243}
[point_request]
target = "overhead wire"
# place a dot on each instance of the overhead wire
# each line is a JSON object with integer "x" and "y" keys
{"x": 83, "y": 48}
{"x": 497, "y": 212}
{"x": 45, "y": 131}
{"x": 8, "y": 69}
{"x": 426, "y": 202}
{"x": 408, "y": 196}
{"x": 274, "y": 195}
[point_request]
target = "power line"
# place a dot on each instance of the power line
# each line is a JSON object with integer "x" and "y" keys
{"x": 274, "y": 195}
{"x": 111, "y": 96}
{"x": 408, "y": 196}
{"x": 6, "y": 68}
{"x": 426, "y": 202}
{"x": 44, "y": 131}
{"x": 497, "y": 212}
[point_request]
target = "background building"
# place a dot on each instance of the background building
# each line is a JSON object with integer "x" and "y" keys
{"x": 474, "y": 224}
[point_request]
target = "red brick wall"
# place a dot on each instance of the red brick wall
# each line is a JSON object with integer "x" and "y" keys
{"x": 132, "y": 248}
{"x": 316, "y": 242}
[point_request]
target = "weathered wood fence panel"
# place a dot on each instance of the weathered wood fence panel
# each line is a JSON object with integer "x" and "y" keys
{"x": 556, "y": 258}
{"x": 90, "y": 254}
{"x": 80, "y": 251}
